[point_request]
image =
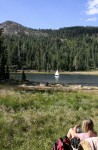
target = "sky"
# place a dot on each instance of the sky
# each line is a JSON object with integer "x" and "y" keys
{"x": 50, "y": 14}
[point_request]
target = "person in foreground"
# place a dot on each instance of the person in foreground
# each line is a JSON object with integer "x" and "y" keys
{"x": 87, "y": 130}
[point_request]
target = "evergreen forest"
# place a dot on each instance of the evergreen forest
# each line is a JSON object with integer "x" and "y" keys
{"x": 66, "y": 49}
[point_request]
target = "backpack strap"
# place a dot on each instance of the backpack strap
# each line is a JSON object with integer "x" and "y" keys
{"x": 60, "y": 144}
{"x": 67, "y": 143}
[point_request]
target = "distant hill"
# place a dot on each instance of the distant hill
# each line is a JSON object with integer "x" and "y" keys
{"x": 13, "y": 28}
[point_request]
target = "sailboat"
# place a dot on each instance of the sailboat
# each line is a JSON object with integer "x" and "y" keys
{"x": 57, "y": 73}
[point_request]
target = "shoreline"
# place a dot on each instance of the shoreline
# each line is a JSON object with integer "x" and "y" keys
{"x": 57, "y": 87}
{"x": 39, "y": 86}
{"x": 91, "y": 72}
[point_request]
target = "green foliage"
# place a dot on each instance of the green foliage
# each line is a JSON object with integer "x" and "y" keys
{"x": 34, "y": 120}
{"x": 68, "y": 49}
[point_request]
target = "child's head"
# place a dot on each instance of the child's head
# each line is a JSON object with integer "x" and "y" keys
{"x": 87, "y": 125}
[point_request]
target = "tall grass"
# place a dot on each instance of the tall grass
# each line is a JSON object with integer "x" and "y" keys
{"x": 34, "y": 120}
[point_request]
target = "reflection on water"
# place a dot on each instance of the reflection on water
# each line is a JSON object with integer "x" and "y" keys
{"x": 56, "y": 78}
{"x": 63, "y": 78}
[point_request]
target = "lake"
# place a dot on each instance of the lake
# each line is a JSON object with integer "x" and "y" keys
{"x": 89, "y": 80}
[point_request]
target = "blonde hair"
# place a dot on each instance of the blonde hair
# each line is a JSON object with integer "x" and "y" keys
{"x": 87, "y": 125}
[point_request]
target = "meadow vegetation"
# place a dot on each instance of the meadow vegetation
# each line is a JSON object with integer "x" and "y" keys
{"x": 34, "y": 120}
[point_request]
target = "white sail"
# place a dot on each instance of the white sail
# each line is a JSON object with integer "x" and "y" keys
{"x": 57, "y": 73}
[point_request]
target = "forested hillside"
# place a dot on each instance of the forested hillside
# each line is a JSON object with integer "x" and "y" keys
{"x": 68, "y": 49}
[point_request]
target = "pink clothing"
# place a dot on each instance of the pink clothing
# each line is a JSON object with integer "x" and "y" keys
{"x": 85, "y": 135}
{"x": 82, "y": 136}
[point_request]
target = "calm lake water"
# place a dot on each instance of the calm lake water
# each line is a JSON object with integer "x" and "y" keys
{"x": 90, "y": 80}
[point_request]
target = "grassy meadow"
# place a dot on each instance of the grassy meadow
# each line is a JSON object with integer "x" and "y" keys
{"x": 32, "y": 120}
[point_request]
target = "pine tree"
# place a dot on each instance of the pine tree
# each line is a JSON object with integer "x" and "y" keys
{"x": 3, "y": 58}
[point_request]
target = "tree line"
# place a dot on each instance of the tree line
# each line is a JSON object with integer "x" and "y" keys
{"x": 66, "y": 49}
